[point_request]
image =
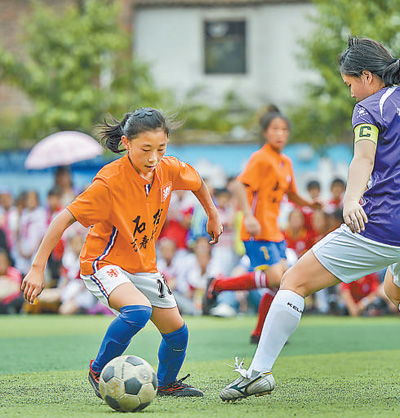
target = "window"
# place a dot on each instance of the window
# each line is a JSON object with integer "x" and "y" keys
{"x": 225, "y": 47}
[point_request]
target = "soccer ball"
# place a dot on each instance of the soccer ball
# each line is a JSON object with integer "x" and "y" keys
{"x": 128, "y": 383}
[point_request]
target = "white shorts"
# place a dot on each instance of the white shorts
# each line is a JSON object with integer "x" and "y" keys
{"x": 152, "y": 285}
{"x": 350, "y": 256}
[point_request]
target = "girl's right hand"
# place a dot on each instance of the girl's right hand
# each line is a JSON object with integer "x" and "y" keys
{"x": 252, "y": 225}
{"x": 354, "y": 216}
{"x": 32, "y": 285}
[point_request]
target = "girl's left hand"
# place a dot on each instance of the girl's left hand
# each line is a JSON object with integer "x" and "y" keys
{"x": 214, "y": 229}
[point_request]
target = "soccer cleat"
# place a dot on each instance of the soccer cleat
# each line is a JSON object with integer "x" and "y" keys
{"x": 94, "y": 380}
{"x": 210, "y": 296}
{"x": 223, "y": 310}
{"x": 257, "y": 384}
{"x": 178, "y": 388}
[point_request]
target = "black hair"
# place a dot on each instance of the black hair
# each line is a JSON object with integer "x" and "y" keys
{"x": 62, "y": 169}
{"x": 4, "y": 251}
{"x": 272, "y": 112}
{"x": 364, "y": 54}
{"x": 313, "y": 184}
{"x": 338, "y": 181}
{"x": 221, "y": 190}
{"x": 54, "y": 191}
{"x": 133, "y": 123}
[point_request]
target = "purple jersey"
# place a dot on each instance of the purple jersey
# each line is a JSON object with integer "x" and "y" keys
{"x": 381, "y": 201}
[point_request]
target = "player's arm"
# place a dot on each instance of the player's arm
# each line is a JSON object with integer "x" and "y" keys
{"x": 251, "y": 223}
{"x": 360, "y": 170}
{"x": 214, "y": 226}
{"x": 301, "y": 201}
{"x": 33, "y": 282}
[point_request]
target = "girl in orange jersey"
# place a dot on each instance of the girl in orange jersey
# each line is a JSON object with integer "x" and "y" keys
{"x": 259, "y": 189}
{"x": 126, "y": 206}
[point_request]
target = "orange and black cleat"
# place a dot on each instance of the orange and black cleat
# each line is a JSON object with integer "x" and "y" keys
{"x": 94, "y": 380}
{"x": 178, "y": 388}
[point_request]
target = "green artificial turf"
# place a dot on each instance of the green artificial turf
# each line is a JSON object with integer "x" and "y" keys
{"x": 332, "y": 367}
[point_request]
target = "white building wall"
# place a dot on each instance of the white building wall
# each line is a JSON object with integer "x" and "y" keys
{"x": 171, "y": 40}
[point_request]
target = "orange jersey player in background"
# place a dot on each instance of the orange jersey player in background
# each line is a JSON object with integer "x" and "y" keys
{"x": 267, "y": 177}
{"x": 259, "y": 190}
{"x": 125, "y": 207}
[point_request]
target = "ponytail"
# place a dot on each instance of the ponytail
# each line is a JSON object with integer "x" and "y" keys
{"x": 391, "y": 74}
{"x": 272, "y": 112}
{"x": 111, "y": 134}
{"x": 141, "y": 120}
{"x": 364, "y": 54}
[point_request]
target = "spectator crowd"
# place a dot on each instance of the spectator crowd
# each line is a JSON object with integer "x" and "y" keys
{"x": 185, "y": 257}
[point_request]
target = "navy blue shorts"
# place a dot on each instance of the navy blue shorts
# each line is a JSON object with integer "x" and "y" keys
{"x": 263, "y": 254}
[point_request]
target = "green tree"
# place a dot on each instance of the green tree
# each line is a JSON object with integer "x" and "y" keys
{"x": 325, "y": 114}
{"x": 78, "y": 68}
{"x": 203, "y": 123}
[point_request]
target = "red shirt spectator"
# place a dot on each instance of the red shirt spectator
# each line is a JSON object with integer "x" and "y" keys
{"x": 359, "y": 294}
{"x": 10, "y": 280}
{"x": 296, "y": 234}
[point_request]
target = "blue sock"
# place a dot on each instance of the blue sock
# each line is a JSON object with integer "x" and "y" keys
{"x": 171, "y": 355}
{"x": 120, "y": 332}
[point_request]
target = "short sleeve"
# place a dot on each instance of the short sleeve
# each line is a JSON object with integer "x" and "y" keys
{"x": 251, "y": 176}
{"x": 362, "y": 116}
{"x": 93, "y": 205}
{"x": 186, "y": 177}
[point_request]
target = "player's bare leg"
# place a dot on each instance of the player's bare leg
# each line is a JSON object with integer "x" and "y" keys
{"x": 391, "y": 289}
{"x": 304, "y": 278}
{"x": 127, "y": 294}
{"x": 166, "y": 319}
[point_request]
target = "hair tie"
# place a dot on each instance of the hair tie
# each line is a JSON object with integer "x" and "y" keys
{"x": 141, "y": 113}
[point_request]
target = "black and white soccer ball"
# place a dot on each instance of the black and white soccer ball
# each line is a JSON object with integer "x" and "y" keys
{"x": 128, "y": 383}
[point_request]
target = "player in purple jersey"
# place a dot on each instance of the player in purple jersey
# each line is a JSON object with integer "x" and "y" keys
{"x": 379, "y": 113}
{"x": 370, "y": 238}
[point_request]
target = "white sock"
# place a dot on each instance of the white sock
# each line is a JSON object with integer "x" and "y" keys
{"x": 283, "y": 317}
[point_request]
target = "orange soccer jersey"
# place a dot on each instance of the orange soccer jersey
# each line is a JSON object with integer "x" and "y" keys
{"x": 268, "y": 176}
{"x": 126, "y": 221}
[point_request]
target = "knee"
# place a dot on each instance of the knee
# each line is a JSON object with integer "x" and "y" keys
{"x": 291, "y": 282}
{"x": 287, "y": 280}
{"x": 136, "y": 315}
